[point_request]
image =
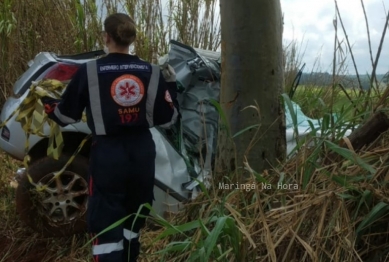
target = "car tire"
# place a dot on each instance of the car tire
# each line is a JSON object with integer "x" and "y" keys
{"x": 60, "y": 209}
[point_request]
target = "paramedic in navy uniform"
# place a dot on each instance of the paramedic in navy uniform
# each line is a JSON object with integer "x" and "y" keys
{"x": 123, "y": 96}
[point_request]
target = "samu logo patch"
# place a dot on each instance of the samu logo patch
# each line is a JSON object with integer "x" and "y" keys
{"x": 127, "y": 90}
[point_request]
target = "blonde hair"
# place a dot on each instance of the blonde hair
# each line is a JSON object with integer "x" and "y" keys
{"x": 121, "y": 28}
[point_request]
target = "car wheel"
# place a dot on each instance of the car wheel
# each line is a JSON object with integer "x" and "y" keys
{"x": 59, "y": 209}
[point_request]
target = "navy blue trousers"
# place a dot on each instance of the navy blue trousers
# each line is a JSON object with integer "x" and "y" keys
{"x": 121, "y": 179}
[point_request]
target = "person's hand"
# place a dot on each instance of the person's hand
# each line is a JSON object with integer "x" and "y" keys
{"x": 168, "y": 73}
{"x": 49, "y": 104}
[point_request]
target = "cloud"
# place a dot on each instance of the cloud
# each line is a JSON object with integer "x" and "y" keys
{"x": 311, "y": 24}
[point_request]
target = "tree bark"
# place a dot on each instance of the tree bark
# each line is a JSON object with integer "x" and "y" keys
{"x": 252, "y": 72}
{"x": 364, "y": 135}
{"x": 369, "y": 131}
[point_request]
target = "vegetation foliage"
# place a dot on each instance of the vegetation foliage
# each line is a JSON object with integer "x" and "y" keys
{"x": 338, "y": 212}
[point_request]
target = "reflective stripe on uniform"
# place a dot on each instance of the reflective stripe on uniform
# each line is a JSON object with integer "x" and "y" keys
{"x": 128, "y": 234}
{"x": 152, "y": 94}
{"x": 64, "y": 119}
{"x": 172, "y": 121}
{"x": 94, "y": 97}
{"x": 107, "y": 248}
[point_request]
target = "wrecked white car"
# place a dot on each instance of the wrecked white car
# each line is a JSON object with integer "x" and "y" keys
{"x": 60, "y": 208}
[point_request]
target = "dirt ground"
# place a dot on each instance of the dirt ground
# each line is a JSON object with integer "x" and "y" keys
{"x": 20, "y": 243}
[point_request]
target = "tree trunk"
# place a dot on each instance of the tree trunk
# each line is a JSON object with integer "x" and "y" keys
{"x": 252, "y": 72}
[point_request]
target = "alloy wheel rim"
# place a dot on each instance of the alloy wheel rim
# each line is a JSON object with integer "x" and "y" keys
{"x": 64, "y": 199}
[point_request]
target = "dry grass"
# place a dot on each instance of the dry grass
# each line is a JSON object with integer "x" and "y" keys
{"x": 318, "y": 223}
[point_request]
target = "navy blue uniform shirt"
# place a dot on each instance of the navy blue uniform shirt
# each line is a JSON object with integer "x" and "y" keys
{"x": 120, "y": 92}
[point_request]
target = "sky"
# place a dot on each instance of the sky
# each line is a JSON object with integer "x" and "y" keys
{"x": 310, "y": 24}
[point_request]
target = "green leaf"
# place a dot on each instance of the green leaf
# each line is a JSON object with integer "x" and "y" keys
{"x": 204, "y": 228}
{"x": 341, "y": 180}
{"x": 203, "y": 188}
{"x": 198, "y": 255}
{"x": 246, "y": 129}
{"x": 9, "y": 29}
{"x": 224, "y": 255}
{"x": 292, "y": 114}
{"x": 259, "y": 177}
{"x": 321, "y": 101}
{"x": 357, "y": 179}
{"x": 313, "y": 129}
{"x": 222, "y": 115}
{"x": 366, "y": 194}
{"x": 310, "y": 165}
{"x": 172, "y": 230}
{"x": 326, "y": 123}
{"x": 346, "y": 196}
{"x": 235, "y": 236}
{"x": 346, "y": 153}
{"x": 114, "y": 225}
{"x": 378, "y": 211}
{"x": 121, "y": 221}
{"x": 211, "y": 241}
{"x": 175, "y": 247}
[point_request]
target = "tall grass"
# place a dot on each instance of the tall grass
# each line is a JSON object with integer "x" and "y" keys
{"x": 29, "y": 27}
{"x": 70, "y": 26}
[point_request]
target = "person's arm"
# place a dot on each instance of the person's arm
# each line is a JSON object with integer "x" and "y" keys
{"x": 170, "y": 78}
{"x": 69, "y": 108}
{"x": 166, "y": 112}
